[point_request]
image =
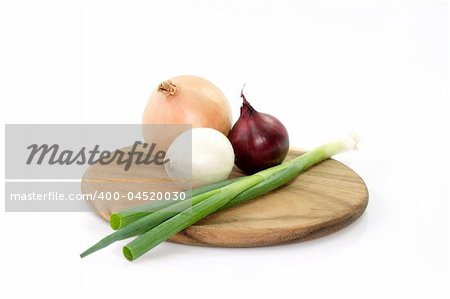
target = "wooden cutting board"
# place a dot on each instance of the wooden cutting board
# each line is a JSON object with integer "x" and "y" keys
{"x": 320, "y": 201}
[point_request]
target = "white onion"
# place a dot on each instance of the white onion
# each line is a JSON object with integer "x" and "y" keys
{"x": 209, "y": 159}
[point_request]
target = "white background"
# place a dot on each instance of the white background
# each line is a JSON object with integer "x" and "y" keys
{"x": 324, "y": 69}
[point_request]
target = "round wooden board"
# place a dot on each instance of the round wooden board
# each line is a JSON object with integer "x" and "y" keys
{"x": 320, "y": 201}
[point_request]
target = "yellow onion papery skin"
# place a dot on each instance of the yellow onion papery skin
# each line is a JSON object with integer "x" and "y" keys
{"x": 184, "y": 100}
{"x": 189, "y": 100}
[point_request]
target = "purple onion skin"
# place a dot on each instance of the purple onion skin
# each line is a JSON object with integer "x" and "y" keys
{"x": 259, "y": 140}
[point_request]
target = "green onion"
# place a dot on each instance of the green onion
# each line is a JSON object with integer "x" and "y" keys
{"x": 261, "y": 183}
{"x": 147, "y": 222}
{"x": 123, "y": 218}
{"x": 296, "y": 166}
{"x": 157, "y": 226}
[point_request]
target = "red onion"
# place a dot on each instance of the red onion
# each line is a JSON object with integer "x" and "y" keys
{"x": 259, "y": 140}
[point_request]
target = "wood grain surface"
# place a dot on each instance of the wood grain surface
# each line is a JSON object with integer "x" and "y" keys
{"x": 320, "y": 201}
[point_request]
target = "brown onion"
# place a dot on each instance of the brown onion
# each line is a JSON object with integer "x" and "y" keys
{"x": 189, "y": 100}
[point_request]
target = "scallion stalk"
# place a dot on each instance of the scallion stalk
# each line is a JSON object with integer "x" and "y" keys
{"x": 147, "y": 222}
{"x": 123, "y": 218}
{"x": 238, "y": 192}
{"x": 296, "y": 166}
